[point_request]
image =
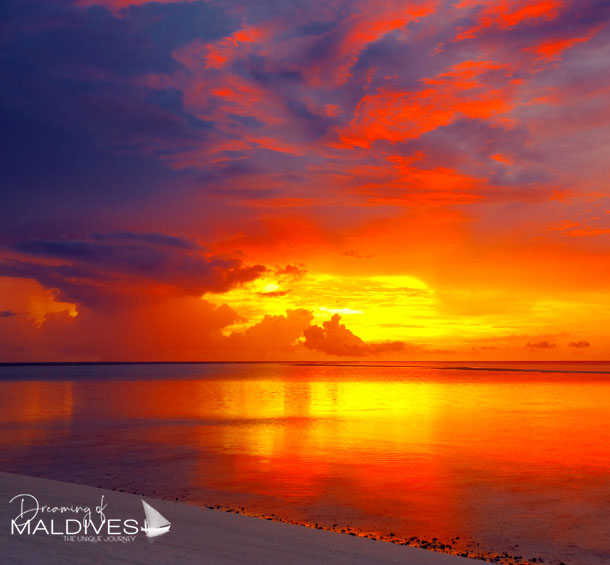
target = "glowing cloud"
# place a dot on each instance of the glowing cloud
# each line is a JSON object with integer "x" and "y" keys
{"x": 334, "y": 338}
{"x": 220, "y": 180}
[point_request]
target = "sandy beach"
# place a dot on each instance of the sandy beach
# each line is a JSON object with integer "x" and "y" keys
{"x": 196, "y": 535}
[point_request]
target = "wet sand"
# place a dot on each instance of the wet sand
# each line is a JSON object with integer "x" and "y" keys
{"x": 197, "y": 535}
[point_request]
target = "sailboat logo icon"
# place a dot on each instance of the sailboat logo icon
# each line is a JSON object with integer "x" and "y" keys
{"x": 155, "y": 524}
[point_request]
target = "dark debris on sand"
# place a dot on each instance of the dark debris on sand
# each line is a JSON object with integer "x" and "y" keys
{"x": 434, "y": 544}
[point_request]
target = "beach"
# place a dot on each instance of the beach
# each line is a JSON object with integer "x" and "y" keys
{"x": 197, "y": 534}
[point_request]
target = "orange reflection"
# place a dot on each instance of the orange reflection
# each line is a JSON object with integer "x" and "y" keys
{"x": 29, "y": 407}
{"x": 383, "y": 448}
{"x": 36, "y": 402}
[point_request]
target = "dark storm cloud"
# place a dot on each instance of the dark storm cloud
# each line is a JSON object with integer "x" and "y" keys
{"x": 106, "y": 269}
{"x": 159, "y": 239}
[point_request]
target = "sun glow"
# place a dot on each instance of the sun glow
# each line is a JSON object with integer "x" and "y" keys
{"x": 376, "y": 308}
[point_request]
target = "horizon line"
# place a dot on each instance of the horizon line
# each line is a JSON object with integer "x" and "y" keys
{"x": 31, "y": 363}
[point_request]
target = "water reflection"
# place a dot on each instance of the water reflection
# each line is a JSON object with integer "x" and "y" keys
{"x": 34, "y": 412}
{"x": 500, "y": 458}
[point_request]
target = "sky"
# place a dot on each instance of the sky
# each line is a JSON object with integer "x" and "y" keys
{"x": 321, "y": 180}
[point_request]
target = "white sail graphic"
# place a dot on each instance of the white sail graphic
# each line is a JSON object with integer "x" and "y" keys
{"x": 155, "y": 524}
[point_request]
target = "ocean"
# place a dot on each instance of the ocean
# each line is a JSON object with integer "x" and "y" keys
{"x": 489, "y": 457}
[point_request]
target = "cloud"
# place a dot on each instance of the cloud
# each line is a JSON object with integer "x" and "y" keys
{"x": 552, "y": 49}
{"x": 355, "y": 254}
{"x": 118, "y": 5}
{"x": 7, "y": 314}
{"x": 180, "y": 328}
{"x": 292, "y": 131}
{"x": 246, "y": 99}
{"x": 365, "y": 25}
{"x": 273, "y": 336}
{"x": 335, "y": 339}
{"x": 505, "y": 15}
{"x": 470, "y": 89}
{"x": 275, "y": 293}
{"x": 579, "y": 344}
{"x": 291, "y": 271}
{"x": 91, "y": 100}
{"x": 541, "y": 345}
{"x": 114, "y": 267}
{"x": 158, "y": 239}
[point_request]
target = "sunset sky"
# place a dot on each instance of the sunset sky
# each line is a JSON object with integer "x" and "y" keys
{"x": 305, "y": 180}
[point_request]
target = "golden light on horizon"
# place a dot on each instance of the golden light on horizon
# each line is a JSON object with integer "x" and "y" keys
{"x": 376, "y": 308}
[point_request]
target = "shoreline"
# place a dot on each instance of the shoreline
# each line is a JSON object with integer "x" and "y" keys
{"x": 435, "y": 552}
{"x": 434, "y": 546}
{"x": 220, "y": 536}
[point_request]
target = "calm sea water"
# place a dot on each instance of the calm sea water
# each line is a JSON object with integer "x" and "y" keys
{"x": 513, "y": 457}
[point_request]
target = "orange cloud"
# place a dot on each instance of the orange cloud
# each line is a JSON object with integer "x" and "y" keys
{"x": 291, "y": 271}
{"x": 577, "y": 229}
{"x": 176, "y": 329}
{"x": 409, "y": 185}
{"x": 588, "y": 232}
{"x": 273, "y": 336}
{"x": 438, "y": 178}
{"x": 504, "y": 159}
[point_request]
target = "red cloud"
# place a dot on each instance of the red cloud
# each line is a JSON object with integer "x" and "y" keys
{"x": 229, "y": 48}
{"x": 406, "y": 185}
{"x": 398, "y": 116}
{"x": 506, "y": 14}
{"x": 363, "y": 27}
{"x": 550, "y": 50}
